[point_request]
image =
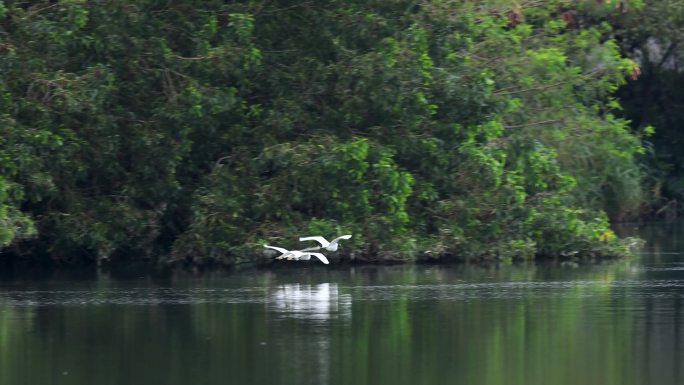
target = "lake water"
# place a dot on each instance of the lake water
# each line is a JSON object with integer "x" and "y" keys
{"x": 618, "y": 322}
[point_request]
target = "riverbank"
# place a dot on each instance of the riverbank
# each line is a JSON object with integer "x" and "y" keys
{"x": 162, "y": 266}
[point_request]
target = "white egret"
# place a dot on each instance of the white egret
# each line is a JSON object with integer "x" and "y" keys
{"x": 297, "y": 255}
{"x": 330, "y": 246}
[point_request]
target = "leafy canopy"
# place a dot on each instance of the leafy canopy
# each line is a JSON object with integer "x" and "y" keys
{"x": 202, "y": 130}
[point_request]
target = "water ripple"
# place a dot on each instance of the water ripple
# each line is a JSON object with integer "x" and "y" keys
{"x": 321, "y": 300}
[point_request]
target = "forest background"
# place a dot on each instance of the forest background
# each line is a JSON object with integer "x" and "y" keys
{"x": 197, "y": 131}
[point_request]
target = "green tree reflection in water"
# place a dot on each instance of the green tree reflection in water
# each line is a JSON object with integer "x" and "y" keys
{"x": 615, "y": 323}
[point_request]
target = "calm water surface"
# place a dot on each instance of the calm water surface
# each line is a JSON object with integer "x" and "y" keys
{"x": 608, "y": 323}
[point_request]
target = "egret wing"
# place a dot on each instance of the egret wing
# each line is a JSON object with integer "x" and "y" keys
{"x": 324, "y": 242}
{"x": 311, "y": 249}
{"x": 321, "y": 257}
{"x": 348, "y": 236}
{"x": 277, "y": 248}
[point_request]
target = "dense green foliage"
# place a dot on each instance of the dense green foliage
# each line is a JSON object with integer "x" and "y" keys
{"x": 653, "y": 37}
{"x": 201, "y": 130}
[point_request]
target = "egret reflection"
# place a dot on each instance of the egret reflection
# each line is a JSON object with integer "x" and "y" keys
{"x": 317, "y": 302}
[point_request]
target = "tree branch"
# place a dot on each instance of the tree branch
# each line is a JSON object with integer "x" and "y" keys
{"x": 504, "y": 91}
{"x": 534, "y": 123}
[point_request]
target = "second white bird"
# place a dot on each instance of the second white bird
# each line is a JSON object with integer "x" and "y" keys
{"x": 330, "y": 246}
{"x": 297, "y": 255}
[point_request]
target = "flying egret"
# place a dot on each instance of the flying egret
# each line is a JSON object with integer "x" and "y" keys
{"x": 330, "y": 246}
{"x": 304, "y": 254}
